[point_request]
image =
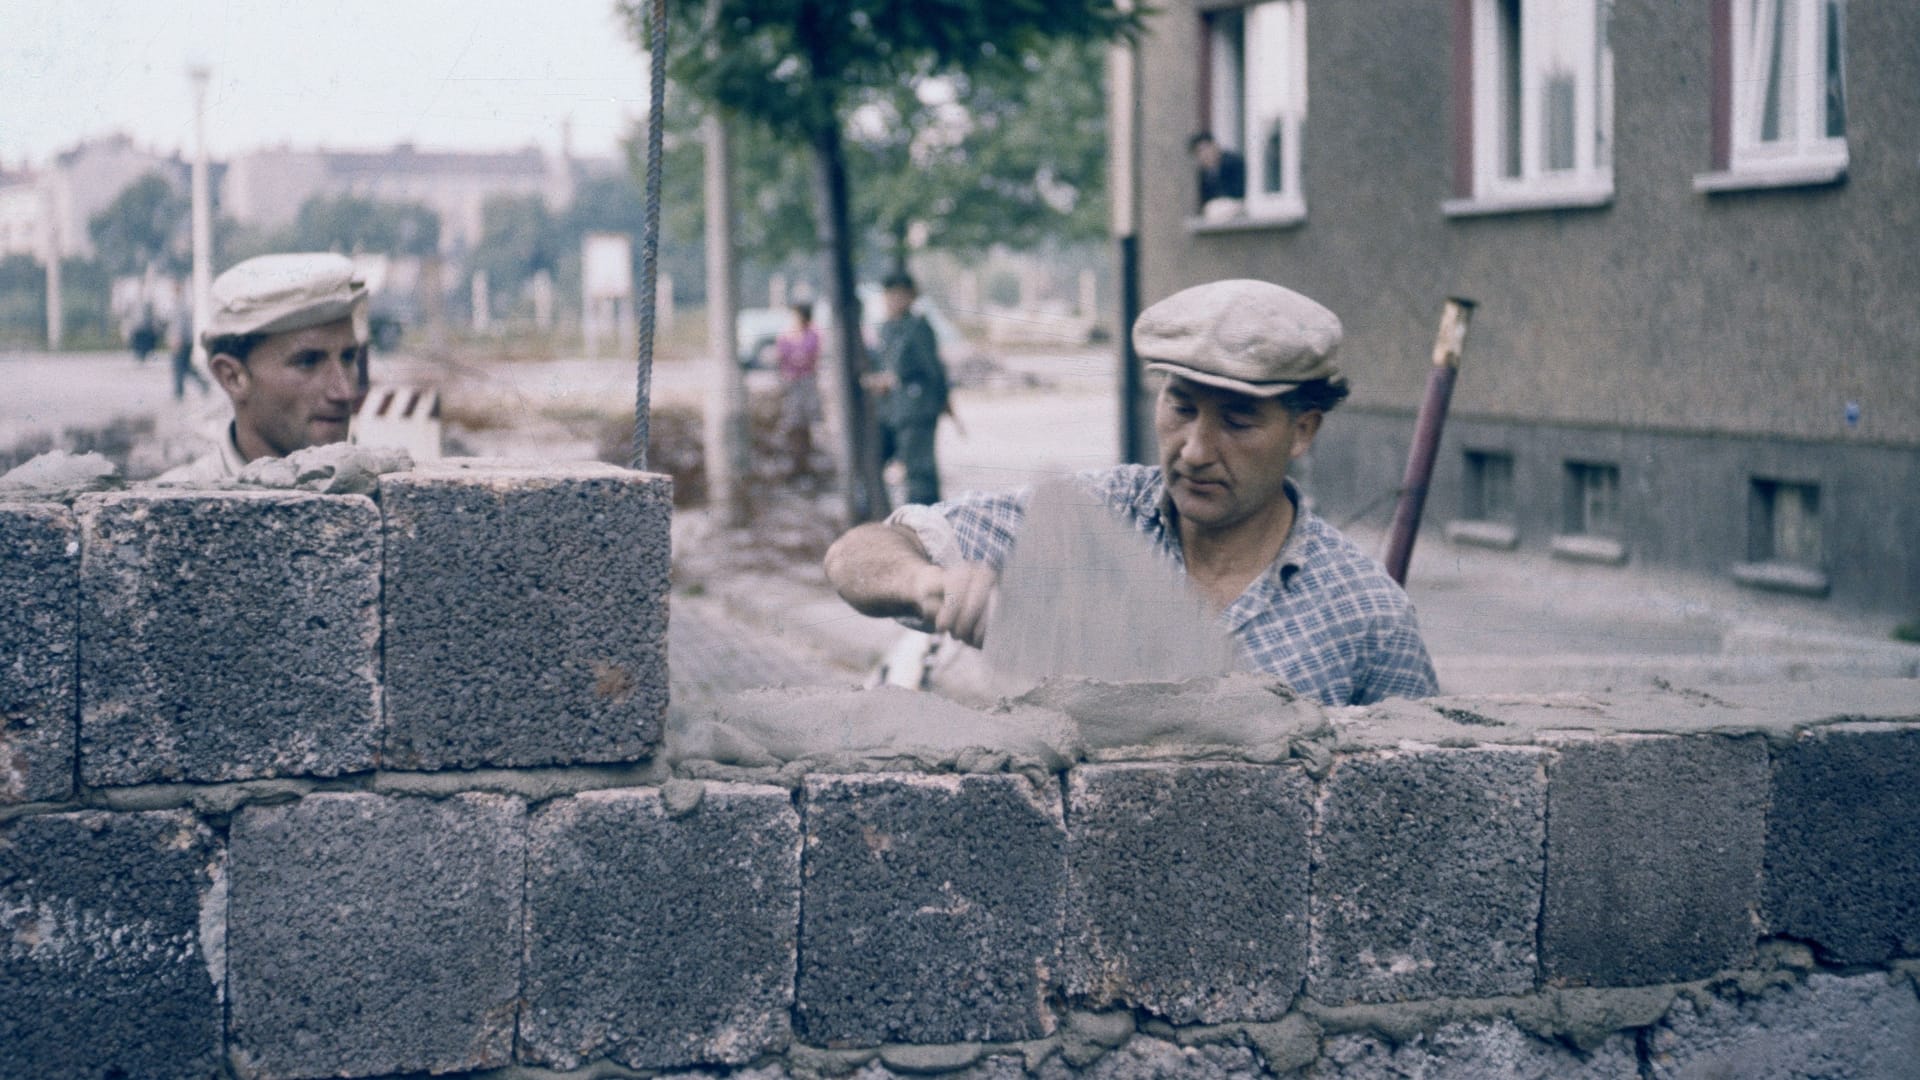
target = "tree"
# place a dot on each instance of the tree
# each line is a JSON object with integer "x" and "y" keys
{"x": 353, "y": 224}
{"x": 519, "y": 238}
{"x": 800, "y": 69}
{"x": 141, "y": 227}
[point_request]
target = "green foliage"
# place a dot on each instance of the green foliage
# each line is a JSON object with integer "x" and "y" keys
{"x": 144, "y": 225}
{"x": 983, "y": 122}
{"x": 519, "y": 238}
{"x": 84, "y": 288}
{"x": 352, "y": 224}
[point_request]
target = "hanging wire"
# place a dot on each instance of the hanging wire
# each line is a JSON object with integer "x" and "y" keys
{"x": 650, "y": 232}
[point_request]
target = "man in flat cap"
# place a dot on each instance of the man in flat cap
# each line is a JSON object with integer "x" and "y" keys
{"x": 287, "y": 341}
{"x": 1249, "y": 375}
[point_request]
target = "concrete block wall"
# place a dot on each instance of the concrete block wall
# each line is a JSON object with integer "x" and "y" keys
{"x": 1621, "y": 885}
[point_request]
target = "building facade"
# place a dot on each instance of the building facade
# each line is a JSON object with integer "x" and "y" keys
{"x": 1692, "y": 231}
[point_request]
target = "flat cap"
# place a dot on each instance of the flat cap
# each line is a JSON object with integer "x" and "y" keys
{"x": 1251, "y": 337}
{"x": 271, "y": 294}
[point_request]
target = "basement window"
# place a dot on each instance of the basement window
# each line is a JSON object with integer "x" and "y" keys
{"x": 1784, "y": 549}
{"x": 1591, "y": 514}
{"x": 1486, "y": 508}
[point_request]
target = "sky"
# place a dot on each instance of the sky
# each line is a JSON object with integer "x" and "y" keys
{"x": 340, "y": 74}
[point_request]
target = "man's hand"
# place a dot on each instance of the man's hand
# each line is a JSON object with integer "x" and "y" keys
{"x": 958, "y": 600}
{"x": 883, "y": 571}
{"x": 877, "y": 382}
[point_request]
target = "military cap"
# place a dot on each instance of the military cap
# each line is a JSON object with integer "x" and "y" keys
{"x": 1251, "y": 337}
{"x": 271, "y": 294}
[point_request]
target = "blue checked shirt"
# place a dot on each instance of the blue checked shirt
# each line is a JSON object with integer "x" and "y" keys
{"x": 1325, "y": 617}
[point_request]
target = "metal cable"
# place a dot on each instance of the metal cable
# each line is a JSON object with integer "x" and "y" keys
{"x": 650, "y": 232}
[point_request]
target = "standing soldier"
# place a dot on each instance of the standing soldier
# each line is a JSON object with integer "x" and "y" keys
{"x": 913, "y": 386}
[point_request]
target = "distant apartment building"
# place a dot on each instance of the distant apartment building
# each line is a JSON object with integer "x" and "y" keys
{"x": 1692, "y": 229}
{"x": 266, "y": 188}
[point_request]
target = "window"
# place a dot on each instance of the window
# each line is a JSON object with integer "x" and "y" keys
{"x": 1783, "y": 538}
{"x": 1256, "y": 99}
{"x": 1489, "y": 493}
{"x": 1486, "y": 504}
{"x": 1784, "y": 523}
{"x": 1535, "y": 110}
{"x": 1780, "y": 105}
{"x": 1593, "y": 499}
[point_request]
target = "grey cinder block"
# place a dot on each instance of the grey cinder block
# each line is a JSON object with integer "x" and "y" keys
{"x": 1653, "y": 858}
{"x": 526, "y": 614}
{"x": 661, "y": 940}
{"x": 1866, "y": 1027}
{"x": 110, "y": 959}
{"x": 1843, "y": 843}
{"x": 1188, "y": 888}
{"x": 1427, "y": 875}
{"x": 932, "y": 909}
{"x": 371, "y": 935}
{"x": 39, "y": 590}
{"x": 228, "y": 635}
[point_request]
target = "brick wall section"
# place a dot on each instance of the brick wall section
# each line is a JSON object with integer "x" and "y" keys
{"x": 1561, "y": 887}
{"x": 371, "y": 935}
{"x": 228, "y": 635}
{"x": 1219, "y": 851}
{"x": 39, "y": 587}
{"x": 688, "y": 917}
{"x": 932, "y": 909}
{"x": 1655, "y": 850}
{"x": 526, "y": 614}
{"x": 1427, "y": 875}
{"x": 1843, "y": 843}
{"x": 104, "y": 969}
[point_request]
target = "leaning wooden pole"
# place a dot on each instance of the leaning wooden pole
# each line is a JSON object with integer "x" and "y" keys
{"x": 1447, "y": 346}
{"x": 650, "y": 232}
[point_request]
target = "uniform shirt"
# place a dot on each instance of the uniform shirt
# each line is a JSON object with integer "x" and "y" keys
{"x": 1324, "y": 616}
{"x": 910, "y": 351}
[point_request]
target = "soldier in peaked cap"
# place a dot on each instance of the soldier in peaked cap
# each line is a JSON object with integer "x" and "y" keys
{"x": 287, "y": 340}
{"x": 1249, "y": 376}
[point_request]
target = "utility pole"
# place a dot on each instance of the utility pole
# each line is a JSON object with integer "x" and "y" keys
{"x": 1123, "y": 179}
{"x": 725, "y": 429}
{"x": 202, "y": 214}
{"x": 56, "y": 318}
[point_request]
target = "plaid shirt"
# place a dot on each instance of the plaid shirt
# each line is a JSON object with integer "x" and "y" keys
{"x": 1325, "y": 617}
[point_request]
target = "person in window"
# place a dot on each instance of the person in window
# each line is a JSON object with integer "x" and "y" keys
{"x": 1223, "y": 173}
{"x": 1249, "y": 376}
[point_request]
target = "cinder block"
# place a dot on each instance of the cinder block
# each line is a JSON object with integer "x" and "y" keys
{"x": 1862, "y": 1028}
{"x": 372, "y": 935}
{"x": 228, "y": 635}
{"x": 1843, "y": 843}
{"x": 932, "y": 909}
{"x": 1187, "y": 891}
{"x": 526, "y": 614}
{"x": 657, "y": 939}
{"x": 1481, "y": 1050}
{"x": 39, "y": 596}
{"x": 1427, "y": 875}
{"x": 1653, "y": 858}
{"x": 110, "y": 959}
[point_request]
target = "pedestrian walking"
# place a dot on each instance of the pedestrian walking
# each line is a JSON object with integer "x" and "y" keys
{"x": 798, "y": 350}
{"x": 912, "y": 385}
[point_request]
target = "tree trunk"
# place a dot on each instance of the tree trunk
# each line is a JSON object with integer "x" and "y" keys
{"x": 860, "y": 458}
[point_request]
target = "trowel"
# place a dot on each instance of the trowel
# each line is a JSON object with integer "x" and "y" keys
{"x": 1085, "y": 594}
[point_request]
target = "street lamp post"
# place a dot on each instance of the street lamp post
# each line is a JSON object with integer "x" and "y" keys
{"x": 202, "y": 212}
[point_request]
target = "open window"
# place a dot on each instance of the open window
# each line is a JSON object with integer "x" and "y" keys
{"x": 1255, "y": 100}
{"x": 1780, "y": 97}
{"x": 1534, "y": 105}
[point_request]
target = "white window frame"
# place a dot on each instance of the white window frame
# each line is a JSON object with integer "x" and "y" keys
{"x": 1580, "y": 27}
{"x": 1805, "y": 154}
{"x": 1240, "y": 108}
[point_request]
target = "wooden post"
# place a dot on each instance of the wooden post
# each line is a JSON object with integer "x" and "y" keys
{"x": 1447, "y": 347}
